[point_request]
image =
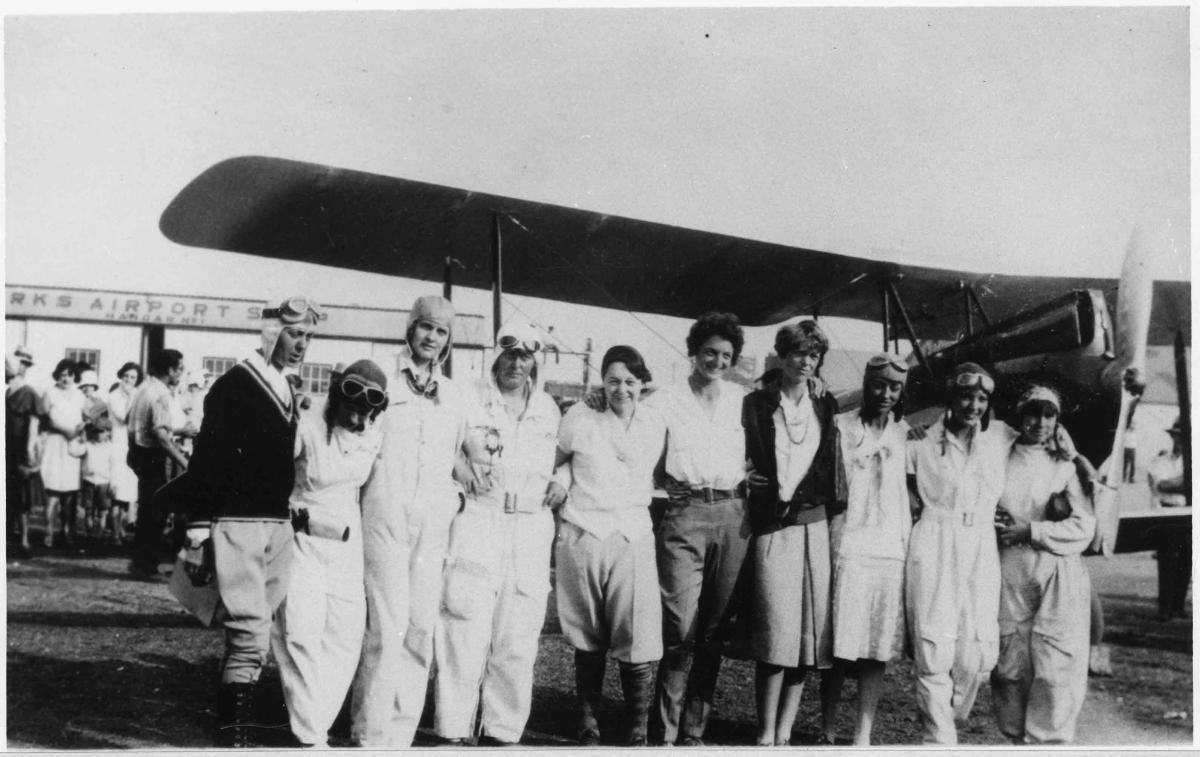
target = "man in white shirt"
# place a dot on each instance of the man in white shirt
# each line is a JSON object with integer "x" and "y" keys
{"x": 704, "y": 535}
{"x": 1166, "y": 479}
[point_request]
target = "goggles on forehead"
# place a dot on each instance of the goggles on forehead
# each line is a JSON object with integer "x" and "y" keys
{"x": 883, "y": 361}
{"x": 295, "y": 309}
{"x": 353, "y": 389}
{"x": 507, "y": 343}
{"x": 970, "y": 380}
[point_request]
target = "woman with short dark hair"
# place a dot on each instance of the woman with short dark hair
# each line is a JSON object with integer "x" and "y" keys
{"x": 607, "y": 582}
{"x": 61, "y": 409}
{"x": 791, "y": 441}
{"x": 124, "y": 480}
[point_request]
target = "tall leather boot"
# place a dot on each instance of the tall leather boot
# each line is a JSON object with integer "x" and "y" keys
{"x": 235, "y": 708}
{"x": 702, "y": 685}
{"x": 637, "y": 685}
{"x": 589, "y": 685}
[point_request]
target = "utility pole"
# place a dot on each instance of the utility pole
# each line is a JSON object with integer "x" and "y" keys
{"x": 587, "y": 362}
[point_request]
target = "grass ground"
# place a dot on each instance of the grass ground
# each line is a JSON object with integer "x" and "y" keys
{"x": 99, "y": 660}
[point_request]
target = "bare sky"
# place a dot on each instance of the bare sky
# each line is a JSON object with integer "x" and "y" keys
{"x": 1014, "y": 140}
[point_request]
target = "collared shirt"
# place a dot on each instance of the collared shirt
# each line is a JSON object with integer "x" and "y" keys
{"x": 150, "y": 410}
{"x": 272, "y": 376}
{"x": 797, "y": 438}
{"x": 1164, "y": 468}
{"x": 412, "y": 476}
{"x": 612, "y": 469}
{"x": 331, "y": 465}
{"x": 955, "y": 481}
{"x": 703, "y": 451}
{"x": 521, "y": 468}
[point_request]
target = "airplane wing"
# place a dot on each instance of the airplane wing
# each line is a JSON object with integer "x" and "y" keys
{"x": 382, "y": 224}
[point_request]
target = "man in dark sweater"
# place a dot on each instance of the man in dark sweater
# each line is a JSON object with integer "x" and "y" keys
{"x": 240, "y": 478}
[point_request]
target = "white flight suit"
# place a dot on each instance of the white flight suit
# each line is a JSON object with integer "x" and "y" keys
{"x": 952, "y": 581}
{"x": 1045, "y": 598}
{"x": 318, "y": 630}
{"x": 407, "y": 505}
{"x": 498, "y": 575}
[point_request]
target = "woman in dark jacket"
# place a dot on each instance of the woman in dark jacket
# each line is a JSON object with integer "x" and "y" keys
{"x": 791, "y": 443}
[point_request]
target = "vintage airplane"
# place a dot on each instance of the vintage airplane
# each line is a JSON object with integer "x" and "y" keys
{"x": 1055, "y": 329}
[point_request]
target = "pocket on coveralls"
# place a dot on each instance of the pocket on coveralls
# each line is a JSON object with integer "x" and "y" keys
{"x": 466, "y": 588}
{"x": 1054, "y": 658}
{"x": 532, "y": 562}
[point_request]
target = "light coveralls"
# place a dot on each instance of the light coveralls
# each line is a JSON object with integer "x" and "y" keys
{"x": 952, "y": 585}
{"x": 1045, "y": 599}
{"x": 498, "y": 574}
{"x": 318, "y": 629}
{"x": 407, "y": 505}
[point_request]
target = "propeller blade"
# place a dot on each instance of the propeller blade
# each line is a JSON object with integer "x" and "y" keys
{"x": 1133, "y": 302}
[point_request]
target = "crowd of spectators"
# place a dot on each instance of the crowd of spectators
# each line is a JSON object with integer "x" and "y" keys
{"x": 67, "y": 454}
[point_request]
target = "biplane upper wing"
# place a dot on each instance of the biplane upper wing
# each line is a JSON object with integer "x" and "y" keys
{"x": 351, "y": 219}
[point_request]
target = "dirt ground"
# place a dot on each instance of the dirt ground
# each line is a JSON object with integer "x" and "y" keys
{"x": 99, "y": 660}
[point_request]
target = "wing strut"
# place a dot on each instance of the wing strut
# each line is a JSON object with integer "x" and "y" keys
{"x": 978, "y": 305}
{"x": 497, "y": 274}
{"x": 1185, "y": 410}
{"x": 890, "y": 289}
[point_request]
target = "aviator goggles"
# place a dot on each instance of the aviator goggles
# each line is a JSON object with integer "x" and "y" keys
{"x": 970, "y": 380}
{"x": 373, "y": 396}
{"x": 295, "y": 309}
{"x": 886, "y": 361}
{"x": 508, "y": 342}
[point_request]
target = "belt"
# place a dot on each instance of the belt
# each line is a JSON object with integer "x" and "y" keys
{"x": 708, "y": 494}
{"x": 957, "y": 517}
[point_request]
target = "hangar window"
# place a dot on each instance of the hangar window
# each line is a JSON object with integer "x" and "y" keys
{"x": 315, "y": 377}
{"x": 91, "y": 357}
{"x": 217, "y": 366}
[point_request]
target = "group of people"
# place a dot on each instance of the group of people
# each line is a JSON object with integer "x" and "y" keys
{"x": 67, "y": 447}
{"x": 410, "y": 528}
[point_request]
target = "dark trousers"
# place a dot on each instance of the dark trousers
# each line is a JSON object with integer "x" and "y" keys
{"x": 701, "y": 550}
{"x": 150, "y": 465}
{"x": 1129, "y": 463}
{"x": 1174, "y": 571}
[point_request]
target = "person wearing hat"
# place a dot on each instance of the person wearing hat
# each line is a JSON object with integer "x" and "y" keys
{"x": 791, "y": 444}
{"x": 21, "y": 425}
{"x": 1174, "y": 555}
{"x": 124, "y": 480}
{"x": 61, "y": 409}
{"x": 1043, "y": 523}
{"x": 704, "y": 534}
{"x": 952, "y": 582}
{"x": 239, "y": 483}
{"x": 97, "y": 462}
{"x": 152, "y": 449}
{"x": 407, "y": 506}
{"x": 870, "y": 538}
{"x": 498, "y": 567}
{"x": 192, "y": 402}
{"x": 318, "y": 629}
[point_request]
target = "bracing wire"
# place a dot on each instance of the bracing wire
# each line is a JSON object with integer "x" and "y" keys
{"x": 600, "y": 287}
